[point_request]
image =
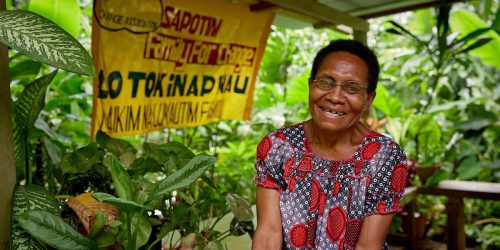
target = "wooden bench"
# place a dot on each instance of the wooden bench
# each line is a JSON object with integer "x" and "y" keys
{"x": 456, "y": 191}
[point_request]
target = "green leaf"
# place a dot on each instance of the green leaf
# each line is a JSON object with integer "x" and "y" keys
{"x": 465, "y": 22}
{"x": 29, "y": 198}
{"x": 125, "y": 205}
{"x": 99, "y": 223}
{"x": 62, "y": 12}
{"x": 406, "y": 32}
{"x": 472, "y": 35}
{"x": 31, "y": 102}
{"x": 114, "y": 145}
{"x": 53, "y": 151}
{"x": 394, "y": 31}
{"x": 388, "y": 105}
{"x": 469, "y": 168}
{"x": 179, "y": 214}
{"x": 496, "y": 23}
{"x": 274, "y": 58}
{"x": 24, "y": 68}
{"x": 240, "y": 207}
{"x": 475, "y": 124}
{"x": 53, "y": 230}
{"x": 437, "y": 177}
{"x": 186, "y": 175}
{"x": 44, "y": 41}
{"x": 26, "y": 110}
{"x": 121, "y": 180}
{"x": 298, "y": 91}
{"x": 141, "y": 230}
{"x": 81, "y": 160}
{"x": 423, "y": 21}
{"x": 475, "y": 45}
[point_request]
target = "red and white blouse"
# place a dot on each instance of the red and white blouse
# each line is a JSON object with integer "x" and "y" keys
{"x": 323, "y": 202}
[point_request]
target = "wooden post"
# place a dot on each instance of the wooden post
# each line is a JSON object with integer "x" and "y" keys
{"x": 360, "y": 35}
{"x": 7, "y": 165}
{"x": 455, "y": 223}
{"x": 412, "y": 232}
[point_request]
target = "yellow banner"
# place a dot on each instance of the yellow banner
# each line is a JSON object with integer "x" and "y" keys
{"x": 176, "y": 63}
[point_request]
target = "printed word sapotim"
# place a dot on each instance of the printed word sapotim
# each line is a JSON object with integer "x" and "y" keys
{"x": 195, "y": 24}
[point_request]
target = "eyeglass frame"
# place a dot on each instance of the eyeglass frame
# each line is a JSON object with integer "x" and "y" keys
{"x": 334, "y": 84}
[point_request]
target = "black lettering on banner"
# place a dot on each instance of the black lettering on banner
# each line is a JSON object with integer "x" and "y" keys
{"x": 205, "y": 89}
{"x": 107, "y": 88}
{"x": 150, "y": 84}
{"x": 136, "y": 77}
{"x": 193, "y": 87}
{"x": 152, "y": 116}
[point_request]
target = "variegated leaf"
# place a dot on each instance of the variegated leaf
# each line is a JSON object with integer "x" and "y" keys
{"x": 29, "y": 198}
{"x": 26, "y": 110}
{"x": 54, "y": 231}
{"x": 44, "y": 41}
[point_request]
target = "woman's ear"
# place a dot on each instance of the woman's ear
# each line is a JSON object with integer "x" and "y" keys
{"x": 369, "y": 100}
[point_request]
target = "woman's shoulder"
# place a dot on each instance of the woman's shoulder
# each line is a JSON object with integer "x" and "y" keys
{"x": 287, "y": 138}
{"x": 287, "y": 133}
{"x": 380, "y": 142}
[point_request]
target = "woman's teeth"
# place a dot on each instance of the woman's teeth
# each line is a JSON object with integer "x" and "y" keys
{"x": 335, "y": 113}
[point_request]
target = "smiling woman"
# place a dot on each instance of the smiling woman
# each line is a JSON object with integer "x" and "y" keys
{"x": 330, "y": 182}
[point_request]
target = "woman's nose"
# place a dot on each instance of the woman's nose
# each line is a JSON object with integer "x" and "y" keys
{"x": 336, "y": 93}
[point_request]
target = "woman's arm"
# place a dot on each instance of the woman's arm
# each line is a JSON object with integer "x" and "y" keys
{"x": 373, "y": 231}
{"x": 268, "y": 234}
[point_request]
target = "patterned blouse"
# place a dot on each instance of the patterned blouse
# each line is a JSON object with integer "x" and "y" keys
{"x": 323, "y": 202}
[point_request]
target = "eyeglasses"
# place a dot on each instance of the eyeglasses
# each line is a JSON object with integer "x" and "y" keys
{"x": 349, "y": 87}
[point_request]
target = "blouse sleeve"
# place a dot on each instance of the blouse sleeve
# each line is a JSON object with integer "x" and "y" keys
{"x": 268, "y": 164}
{"x": 388, "y": 183}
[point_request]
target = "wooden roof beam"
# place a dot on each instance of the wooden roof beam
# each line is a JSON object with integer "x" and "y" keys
{"x": 262, "y": 6}
{"x": 322, "y": 12}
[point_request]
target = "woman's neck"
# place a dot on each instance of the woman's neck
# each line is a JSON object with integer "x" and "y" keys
{"x": 335, "y": 144}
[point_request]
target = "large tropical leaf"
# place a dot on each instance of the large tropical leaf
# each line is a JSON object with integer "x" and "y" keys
{"x": 44, "y": 41}
{"x": 388, "y": 105}
{"x": 29, "y": 198}
{"x": 186, "y": 175}
{"x": 240, "y": 207}
{"x": 141, "y": 230}
{"x": 120, "y": 148}
{"x": 32, "y": 100}
{"x": 122, "y": 204}
{"x": 53, "y": 230}
{"x": 26, "y": 110}
{"x": 62, "y": 12}
{"x": 298, "y": 91}
{"x": 114, "y": 145}
{"x": 121, "y": 180}
{"x": 465, "y": 22}
{"x": 82, "y": 159}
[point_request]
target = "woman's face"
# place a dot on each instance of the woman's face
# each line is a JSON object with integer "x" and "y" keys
{"x": 336, "y": 110}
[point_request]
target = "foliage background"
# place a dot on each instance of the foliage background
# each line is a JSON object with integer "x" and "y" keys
{"x": 443, "y": 108}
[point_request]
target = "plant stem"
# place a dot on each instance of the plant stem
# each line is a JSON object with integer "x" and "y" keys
{"x": 7, "y": 164}
{"x": 224, "y": 235}
{"x": 218, "y": 219}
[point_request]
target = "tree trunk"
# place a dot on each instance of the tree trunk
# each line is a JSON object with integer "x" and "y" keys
{"x": 7, "y": 165}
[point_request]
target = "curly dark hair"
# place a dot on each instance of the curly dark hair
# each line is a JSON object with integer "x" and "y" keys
{"x": 353, "y": 47}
